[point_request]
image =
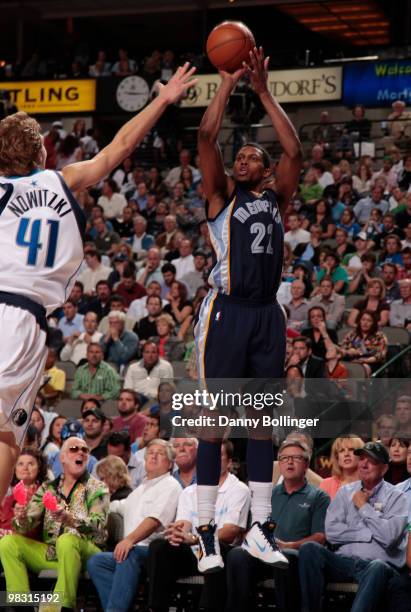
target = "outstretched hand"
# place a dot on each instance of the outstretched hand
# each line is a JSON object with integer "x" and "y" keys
{"x": 179, "y": 83}
{"x": 257, "y": 69}
{"x": 232, "y": 77}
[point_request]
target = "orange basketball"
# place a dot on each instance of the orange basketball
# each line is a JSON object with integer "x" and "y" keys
{"x": 229, "y": 45}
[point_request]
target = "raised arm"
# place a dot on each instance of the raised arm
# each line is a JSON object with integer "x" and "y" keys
{"x": 217, "y": 184}
{"x": 289, "y": 167}
{"x": 86, "y": 173}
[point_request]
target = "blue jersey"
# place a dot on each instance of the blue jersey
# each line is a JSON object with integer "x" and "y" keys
{"x": 248, "y": 240}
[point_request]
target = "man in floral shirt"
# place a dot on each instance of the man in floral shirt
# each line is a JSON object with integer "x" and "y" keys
{"x": 72, "y": 532}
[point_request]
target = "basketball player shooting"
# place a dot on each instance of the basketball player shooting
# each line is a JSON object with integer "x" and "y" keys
{"x": 42, "y": 232}
{"x": 241, "y": 327}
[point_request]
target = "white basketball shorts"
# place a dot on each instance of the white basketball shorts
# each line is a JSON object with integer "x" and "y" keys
{"x": 23, "y": 356}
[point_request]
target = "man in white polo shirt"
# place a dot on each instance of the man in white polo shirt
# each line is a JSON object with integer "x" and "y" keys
{"x": 147, "y": 511}
{"x": 175, "y": 556}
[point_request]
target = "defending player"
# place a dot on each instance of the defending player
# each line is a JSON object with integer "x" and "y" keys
{"x": 241, "y": 327}
{"x": 41, "y": 234}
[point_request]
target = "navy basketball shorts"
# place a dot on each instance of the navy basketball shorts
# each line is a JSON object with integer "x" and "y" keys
{"x": 239, "y": 338}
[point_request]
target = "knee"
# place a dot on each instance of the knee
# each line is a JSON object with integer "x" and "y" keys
{"x": 236, "y": 558}
{"x": 93, "y": 564}
{"x": 9, "y": 544}
{"x": 379, "y": 568}
{"x": 66, "y": 544}
{"x": 310, "y": 551}
{"x": 157, "y": 547}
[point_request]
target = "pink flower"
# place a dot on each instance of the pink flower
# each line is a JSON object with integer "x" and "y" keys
{"x": 49, "y": 501}
{"x": 20, "y": 493}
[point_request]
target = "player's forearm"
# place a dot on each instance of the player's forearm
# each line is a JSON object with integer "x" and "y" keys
{"x": 213, "y": 117}
{"x": 284, "y": 128}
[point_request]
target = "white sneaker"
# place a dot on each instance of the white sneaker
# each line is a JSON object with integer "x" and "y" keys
{"x": 260, "y": 543}
{"x": 209, "y": 558}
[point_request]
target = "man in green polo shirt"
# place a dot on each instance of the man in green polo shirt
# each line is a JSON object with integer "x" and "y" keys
{"x": 298, "y": 511}
{"x": 95, "y": 379}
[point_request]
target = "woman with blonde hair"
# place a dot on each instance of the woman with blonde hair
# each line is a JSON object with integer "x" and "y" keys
{"x": 344, "y": 464}
{"x": 114, "y": 473}
{"x": 374, "y": 301}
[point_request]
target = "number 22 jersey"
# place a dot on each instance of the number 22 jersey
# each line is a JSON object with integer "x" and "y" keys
{"x": 41, "y": 235}
{"x": 248, "y": 240}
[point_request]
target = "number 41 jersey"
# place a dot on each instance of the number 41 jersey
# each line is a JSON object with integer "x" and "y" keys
{"x": 248, "y": 240}
{"x": 41, "y": 235}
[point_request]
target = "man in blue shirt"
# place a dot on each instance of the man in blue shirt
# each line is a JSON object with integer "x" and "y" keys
{"x": 298, "y": 512}
{"x": 366, "y": 523}
{"x": 72, "y": 322}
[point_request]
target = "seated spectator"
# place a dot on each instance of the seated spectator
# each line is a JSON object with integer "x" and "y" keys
{"x": 128, "y": 288}
{"x": 296, "y": 234}
{"x": 309, "y": 251}
{"x": 374, "y": 228}
{"x": 114, "y": 473}
{"x": 119, "y": 345}
{"x": 141, "y": 242}
{"x": 404, "y": 182}
{"x": 164, "y": 240}
{"x": 53, "y": 442}
{"x": 147, "y": 512}
{"x": 119, "y": 445}
{"x": 174, "y": 174}
{"x": 195, "y": 279}
{"x": 322, "y": 337}
{"x": 112, "y": 202}
{"x": 366, "y": 345}
{"x": 31, "y": 470}
{"x": 322, "y": 216}
{"x": 146, "y": 327}
{"x": 185, "y": 450}
{"x": 353, "y": 261}
{"x": 298, "y": 306}
{"x": 117, "y": 302}
{"x": 95, "y": 379}
{"x": 403, "y": 415}
{"x": 366, "y": 520}
{"x": 310, "y": 366}
{"x": 344, "y": 464}
{"x": 310, "y": 188}
{"x": 324, "y": 177}
{"x": 152, "y": 268}
{"x": 387, "y": 171}
{"x": 186, "y": 178}
{"x": 392, "y": 288}
{"x": 385, "y": 428}
{"x": 138, "y": 308}
{"x": 405, "y": 271}
{"x": 291, "y": 529}
{"x": 38, "y": 420}
{"x": 185, "y": 262}
{"x": 71, "y": 534}
{"x": 331, "y": 302}
{"x": 150, "y": 432}
{"x": 343, "y": 247}
{"x": 105, "y": 239}
{"x": 101, "y": 68}
{"x": 175, "y": 556}
{"x": 364, "y": 206}
{"x": 72, "y": 322}
{"x": 389, "y": 227}
{"x": 94, "y": 273}
{"x": 362, "y": 276}
{"x": 129, "y": 420}
{"x": 391, "y": 250}
{"x": 68, "y": 152}
{"x": 335, "y": 369}
{"x": 93, "y": 421}
{"x": 75, "y": 349}
{"x": 399, "y": 122}
{"x": 78, "y": 298}
{"x": 178, "y": 307}
{"x": 373, "y": 302}
{"x": 72, "y": 428}
{"x": 361, "y": 180}
{"x": 338, "y": 274}
{"x": 397, "y": 470}
{"x": 349, "y": 223}
{"x": 155, "y": 184}
{"x": 124, "y": 66}
{"x": 124, "y": 226}
{"x": 400, "y": 310}
{"x": 359, "y": 127}
{"x": 56, "y": 384}
{"x": 145, "y": 376}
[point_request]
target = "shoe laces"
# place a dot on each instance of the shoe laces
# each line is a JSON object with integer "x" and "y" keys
{"x": 267, "y": 530}
{"x": 206, "y": 533}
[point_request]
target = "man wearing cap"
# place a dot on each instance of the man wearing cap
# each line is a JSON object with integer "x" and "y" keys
{"x": 363, "y": 208}
{"x": 72, "y": 533}
{"x": 298, "y": 515}
{"x": 366, "y": 524}
{"x": 93, "y": 423}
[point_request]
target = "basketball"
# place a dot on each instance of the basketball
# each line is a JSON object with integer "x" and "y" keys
{"x": 229, "y": 45}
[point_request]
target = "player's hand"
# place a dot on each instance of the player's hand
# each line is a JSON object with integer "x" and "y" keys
{"x": 257, "y": 70}
{"x": 178, "y": 85}
{"x": 232, "y": 78}
{"x": 122, "y": 549}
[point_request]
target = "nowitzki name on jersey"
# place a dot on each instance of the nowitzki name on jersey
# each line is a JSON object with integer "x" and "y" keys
{"x": 38, "y": 198}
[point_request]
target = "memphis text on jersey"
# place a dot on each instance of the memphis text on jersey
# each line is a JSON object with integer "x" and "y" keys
{"x": 37, "y": 198}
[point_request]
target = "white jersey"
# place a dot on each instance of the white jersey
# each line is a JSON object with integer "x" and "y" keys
{"x": 41, "y": 234}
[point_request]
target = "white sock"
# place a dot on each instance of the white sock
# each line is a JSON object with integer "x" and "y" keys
{"x": 206, "y": 500}
{"x": 260, "y": 500}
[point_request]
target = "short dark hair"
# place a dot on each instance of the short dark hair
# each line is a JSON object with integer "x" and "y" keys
{"x": 94, "y": 401}
{"x": 168, "y": 267}
{"x": 119, "y": 437}
{"x": 265, "y": 155}
{"x": 116, "y": 298}
{"x": 94, "y": 253}
{"x": 103, "y": 282}
{"x": 79, "y": 284}
{"x": 133, "y": 393}
{"x": 304, "y": 339}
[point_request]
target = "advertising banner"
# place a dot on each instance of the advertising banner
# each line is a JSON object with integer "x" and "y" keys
{"x": 65, "y": 96}
{"x": 377, "y": 83}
